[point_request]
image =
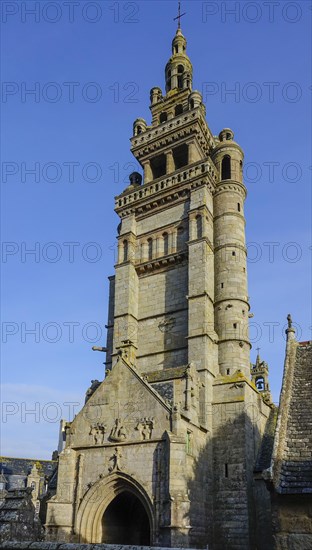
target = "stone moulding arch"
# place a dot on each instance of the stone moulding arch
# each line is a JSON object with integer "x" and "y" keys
{"x": 88, "y": 524}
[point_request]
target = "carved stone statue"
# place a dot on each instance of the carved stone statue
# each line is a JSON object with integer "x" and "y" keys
{"x": 94, "y": 385}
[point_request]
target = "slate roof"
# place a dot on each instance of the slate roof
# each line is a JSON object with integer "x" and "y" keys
{"x": 23, "y": 466}
{"x": 292, "y": 456}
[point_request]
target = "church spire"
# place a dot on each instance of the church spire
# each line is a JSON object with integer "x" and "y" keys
{"x": 179, "y": 70}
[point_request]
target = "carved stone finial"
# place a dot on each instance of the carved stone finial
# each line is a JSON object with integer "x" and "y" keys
{"x": 289, "y": 319}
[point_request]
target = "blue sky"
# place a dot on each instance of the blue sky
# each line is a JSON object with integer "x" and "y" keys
{"x": 92, "y": 65}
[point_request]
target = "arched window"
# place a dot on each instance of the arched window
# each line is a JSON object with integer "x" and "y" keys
{"x": 166, "y": 243}
{"x": 150, "y": 249}
{"x": 180, "y": 78}
{"x": 238, "y": 207}
{"x": 139, "y": 130}
{"x": 178, "y": 110}
{"x": 163, "y": 117}
{"x": 192, "y": 104}
{"x": 125, "y": 250}
{"x": 226, "y": 168}
{"x": 199, "y": 226}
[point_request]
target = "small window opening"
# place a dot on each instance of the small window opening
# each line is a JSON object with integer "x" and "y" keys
{"x": 226, "y": 168}
{"x": 150, "y": 249}
{"x": 227, "y": 371}
{"x": 233, "y": 253}
{"x": 199, "y": 227}
{"x": 226, "y": 470}
{"x": 192, "y": 104}
{"x": 178, "y": 110}
{"x": 234, "y": 325}
{"x": 238, "y": 207}
{"x": 176, "y": 49}
{"x": 189, "y": 443}
{"x": 180, "y": 156}
{"x": 166, "y": 243}
{"x": 222, "y": 285}
{"x": 163, "y": 117}
{"x": 125, "y": 251}
{"x": 158, "y": 166}
{"x": 180, "y": 78}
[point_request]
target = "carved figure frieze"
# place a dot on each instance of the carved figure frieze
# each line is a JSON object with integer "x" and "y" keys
{"x": 145, "y": 428}
{"x": 97, "y": 431}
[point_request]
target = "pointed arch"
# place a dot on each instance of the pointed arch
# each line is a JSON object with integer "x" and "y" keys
{"x": 88, "y": 524}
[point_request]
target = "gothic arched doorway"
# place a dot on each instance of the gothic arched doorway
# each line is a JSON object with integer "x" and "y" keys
{"x": 125, "y": 521}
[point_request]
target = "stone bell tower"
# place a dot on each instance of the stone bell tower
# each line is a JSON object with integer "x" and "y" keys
{"x": 181, "y": 283}
{"x": 163, "y": 451}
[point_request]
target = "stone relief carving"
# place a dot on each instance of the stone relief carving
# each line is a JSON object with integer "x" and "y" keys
{"x": 145, "y": 428}
{"x": 116, "y": 460}
{"x": 118, "y": 432}
{"x": 97, "y": 431}
{"x": 167, "y": 325}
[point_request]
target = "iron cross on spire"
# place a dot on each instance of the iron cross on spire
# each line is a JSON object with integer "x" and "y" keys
{"x": 179, "y": 15}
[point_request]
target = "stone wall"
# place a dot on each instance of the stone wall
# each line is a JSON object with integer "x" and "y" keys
{"x": 63, "y": 546}
{"x": 292, "y": 521}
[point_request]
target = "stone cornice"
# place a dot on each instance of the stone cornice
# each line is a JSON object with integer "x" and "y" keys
{"x": 231, "y": 185}
{"x": 157, "y": 264}
{"x": 190, "y": 122}
{"x": 159, "y": 190}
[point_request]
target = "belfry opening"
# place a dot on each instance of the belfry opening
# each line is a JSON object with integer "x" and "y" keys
{"x": 125, "y": 521}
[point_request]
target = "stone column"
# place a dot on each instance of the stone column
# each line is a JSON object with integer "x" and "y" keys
{"x": 170, "y": 167}
{"x": 192, "y": 153}
{"x": 174, "y": 236}
{"x": 148, "y": 175}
